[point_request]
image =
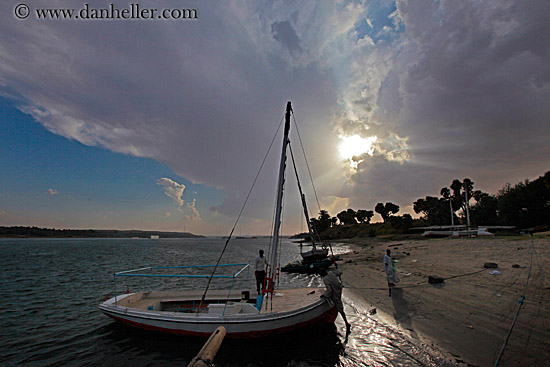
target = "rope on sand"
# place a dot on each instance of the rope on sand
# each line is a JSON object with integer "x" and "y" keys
{"x": 419, "y": 284}
{"x": 520, "y": 301}
{"x": 463, "y": 275}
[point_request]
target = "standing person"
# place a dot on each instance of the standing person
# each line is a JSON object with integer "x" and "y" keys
{"x": 389, "y": 267}
{"x": 333, "y": 292}
{"x": 259, "y": 271}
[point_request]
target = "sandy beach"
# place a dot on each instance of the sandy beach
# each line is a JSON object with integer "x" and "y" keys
{"x": 467, "y": 317}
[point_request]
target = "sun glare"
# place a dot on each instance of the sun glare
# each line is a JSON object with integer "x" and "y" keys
{"x": 355, "y": 146}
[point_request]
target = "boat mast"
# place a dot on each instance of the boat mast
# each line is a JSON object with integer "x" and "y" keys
{"x": 307, "y": 221}
{"x": 452, "y": 212}
{"x": 467, "y": 211}
{"x": 279, "y": 206}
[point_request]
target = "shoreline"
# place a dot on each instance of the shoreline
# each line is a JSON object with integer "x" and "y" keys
{"x": 468, "y": 316}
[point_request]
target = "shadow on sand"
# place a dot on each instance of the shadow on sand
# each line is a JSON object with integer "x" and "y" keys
{"x": 401, "y": 309}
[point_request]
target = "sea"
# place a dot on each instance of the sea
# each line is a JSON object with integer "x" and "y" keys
{"x": 51, "y": 288}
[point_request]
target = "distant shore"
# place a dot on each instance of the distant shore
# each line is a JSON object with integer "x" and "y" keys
{"x": 34, "y": 232}
{"x": 468, "y": 316}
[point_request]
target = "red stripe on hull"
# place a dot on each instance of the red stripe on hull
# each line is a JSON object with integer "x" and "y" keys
{"x": 326, "y": 318}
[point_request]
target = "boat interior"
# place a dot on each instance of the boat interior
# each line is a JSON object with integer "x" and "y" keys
{"x": 220, "y": 302}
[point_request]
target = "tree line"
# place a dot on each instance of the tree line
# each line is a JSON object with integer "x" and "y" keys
{"x": 524, "y": 205}
{"x": 33, "y": 232}
{"x": 350, "y": 217}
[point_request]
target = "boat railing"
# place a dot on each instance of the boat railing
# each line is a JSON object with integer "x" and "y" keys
{"x": 151, "y": 274}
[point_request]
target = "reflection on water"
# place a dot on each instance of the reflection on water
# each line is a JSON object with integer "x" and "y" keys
{"x": 372, "y": 343}
{"x": 51, "y": 289}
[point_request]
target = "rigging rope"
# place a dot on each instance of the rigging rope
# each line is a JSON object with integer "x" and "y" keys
{"x": 302, "y": 199}
{"x": 312, "y": 184}
{"x": 240, "y": 213}
{"x": 305, "y": 157}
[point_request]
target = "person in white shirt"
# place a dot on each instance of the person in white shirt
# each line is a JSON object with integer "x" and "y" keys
{"x": 389, "y": 267}
{"x": 259, "y": 271}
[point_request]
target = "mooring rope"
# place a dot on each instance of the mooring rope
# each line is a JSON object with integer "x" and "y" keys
{"x": 420, "y": 284}
{"x": 520, "y": 301}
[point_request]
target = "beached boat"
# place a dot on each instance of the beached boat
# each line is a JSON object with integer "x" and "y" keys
{"x": 436, "y": 234}
{"x": 315, "y": 254}
{"x": 460, "y": 231}
{"x": 177, "y": 312}
{"x": 201, "y": 312}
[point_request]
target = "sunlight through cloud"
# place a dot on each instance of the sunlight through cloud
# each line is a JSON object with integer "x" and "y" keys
{"x": 353, "y": 147}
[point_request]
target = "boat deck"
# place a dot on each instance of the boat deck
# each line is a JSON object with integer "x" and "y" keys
{"x": 291, "y": 299}
{"x": 283, "y": 299}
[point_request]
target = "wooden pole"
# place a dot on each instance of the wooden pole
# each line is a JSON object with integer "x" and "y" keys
{"x": 206, "y": 355}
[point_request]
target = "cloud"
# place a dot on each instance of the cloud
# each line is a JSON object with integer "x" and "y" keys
{"x": 195, "y": 215}
{"x": 285, "y": 34}
{"x": 333, "y": 204}
{"x": 452, "y": 89}
{"x": 255, "y": 226}
{"x": 449, "y": 89}
{"x": 173, "y": 190}
{"x": 52, "y": 192}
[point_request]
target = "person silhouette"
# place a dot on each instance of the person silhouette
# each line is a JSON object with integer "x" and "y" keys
{"x": 333, "y": 292}
{"x": 391, "y": 273}
{"x": 259, "y": 271}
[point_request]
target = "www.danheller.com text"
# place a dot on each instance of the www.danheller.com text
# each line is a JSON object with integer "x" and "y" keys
{"x": 87, "y": 12}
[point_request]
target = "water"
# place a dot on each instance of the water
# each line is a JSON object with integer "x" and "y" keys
{"x": 51, "y": 289}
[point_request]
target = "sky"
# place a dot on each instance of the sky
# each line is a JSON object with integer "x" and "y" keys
{"x": 163, "y": 124}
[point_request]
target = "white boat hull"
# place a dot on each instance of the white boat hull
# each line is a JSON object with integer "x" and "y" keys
{"x": 437, "y": 234}
{"x": 237, "y": 326}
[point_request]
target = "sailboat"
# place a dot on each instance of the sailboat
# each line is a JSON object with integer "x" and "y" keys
{"x": 315, "y": 254}
{"x": 196, "y": 312}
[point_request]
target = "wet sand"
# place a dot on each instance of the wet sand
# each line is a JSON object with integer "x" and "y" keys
{"x": 468, "y": 316}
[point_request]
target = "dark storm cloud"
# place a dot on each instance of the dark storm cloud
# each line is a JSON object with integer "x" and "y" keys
{"x": 203, "y": 96}
{"x": 450, "y": 89}
{"x": 285, "y": 34}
